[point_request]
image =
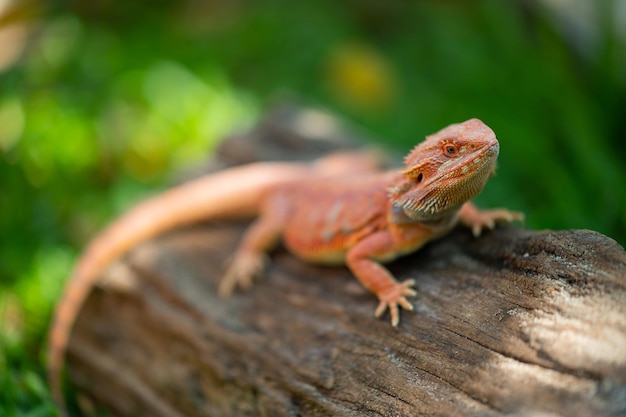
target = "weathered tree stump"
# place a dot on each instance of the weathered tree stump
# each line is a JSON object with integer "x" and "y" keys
{"x": 515, "y": 322}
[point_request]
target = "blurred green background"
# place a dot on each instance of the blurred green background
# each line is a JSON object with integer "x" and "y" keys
{"x": 101, "y": 101}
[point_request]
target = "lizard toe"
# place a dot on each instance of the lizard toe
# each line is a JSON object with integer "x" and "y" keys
{"x": 380, "y": 310}
{"x": 404, "y": 303}
{"x": 395, "y": 297}
{"x": 395, "y": 314}
{"x": 241, "y": 273}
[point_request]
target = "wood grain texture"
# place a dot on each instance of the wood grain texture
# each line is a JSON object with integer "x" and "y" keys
{"x": 516, "y": 322}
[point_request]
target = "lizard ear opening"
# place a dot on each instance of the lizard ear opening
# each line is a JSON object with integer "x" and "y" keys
{"x": 414, "y": 173}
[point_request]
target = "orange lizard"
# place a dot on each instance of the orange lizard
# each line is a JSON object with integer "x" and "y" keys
{"x": 334, "y": 211}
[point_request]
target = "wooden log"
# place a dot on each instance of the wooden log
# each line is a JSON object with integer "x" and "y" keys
{"x": 529, "y": 323}
{"x": 516, "y": 322}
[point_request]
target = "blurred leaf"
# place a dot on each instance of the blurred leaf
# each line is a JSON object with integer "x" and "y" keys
{"x": 11, "y": 122}
{"x": 361, "y": 77}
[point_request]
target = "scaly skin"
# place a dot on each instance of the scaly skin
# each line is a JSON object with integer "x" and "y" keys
{"x": 337, "y": 211}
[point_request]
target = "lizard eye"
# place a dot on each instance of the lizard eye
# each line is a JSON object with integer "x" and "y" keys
{"x": 449, "y": 149}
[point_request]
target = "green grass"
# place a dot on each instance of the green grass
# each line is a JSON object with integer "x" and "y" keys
{"x": 110, "y": 99}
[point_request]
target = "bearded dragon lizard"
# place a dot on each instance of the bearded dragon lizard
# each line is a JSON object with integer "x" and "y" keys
{"x": 325, "y": 212}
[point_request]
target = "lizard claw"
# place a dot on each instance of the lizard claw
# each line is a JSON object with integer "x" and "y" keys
{"x": 487, "y": 219}
{"x": 393, "y": 297}
{"x": 241, "y": 272}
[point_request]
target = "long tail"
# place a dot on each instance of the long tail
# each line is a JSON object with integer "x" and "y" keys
{"x": 232, "y": 193}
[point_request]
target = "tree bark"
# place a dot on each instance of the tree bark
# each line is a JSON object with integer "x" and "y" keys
{"x": 515, "y": 322}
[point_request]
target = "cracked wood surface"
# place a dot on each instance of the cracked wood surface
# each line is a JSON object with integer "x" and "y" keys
{"x": 516, "y": 322}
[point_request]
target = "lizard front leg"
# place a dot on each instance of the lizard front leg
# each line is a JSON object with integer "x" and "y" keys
{"x": 363, "y": 261}
{"x": 478, "y": 220}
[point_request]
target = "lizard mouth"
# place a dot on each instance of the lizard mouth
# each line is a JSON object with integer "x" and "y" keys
{"x": 440, "y": 195}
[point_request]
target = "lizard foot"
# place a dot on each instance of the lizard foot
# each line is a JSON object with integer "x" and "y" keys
{"x": 241, "y": 272}
{"x": 393, "y": 297}
{"x": 487, "y": 219}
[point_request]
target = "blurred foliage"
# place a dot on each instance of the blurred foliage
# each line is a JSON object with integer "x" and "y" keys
{"x": 100, "y": 101}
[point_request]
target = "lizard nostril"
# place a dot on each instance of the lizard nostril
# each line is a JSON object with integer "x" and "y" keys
{"x": 420, "y": 177}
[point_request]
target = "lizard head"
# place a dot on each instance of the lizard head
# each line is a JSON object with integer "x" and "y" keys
{"x": 446, "y": 170}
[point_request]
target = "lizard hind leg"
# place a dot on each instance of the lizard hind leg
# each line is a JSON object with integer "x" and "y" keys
{"x": 241, "y": 271}
{"x": 250, "y": 258}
